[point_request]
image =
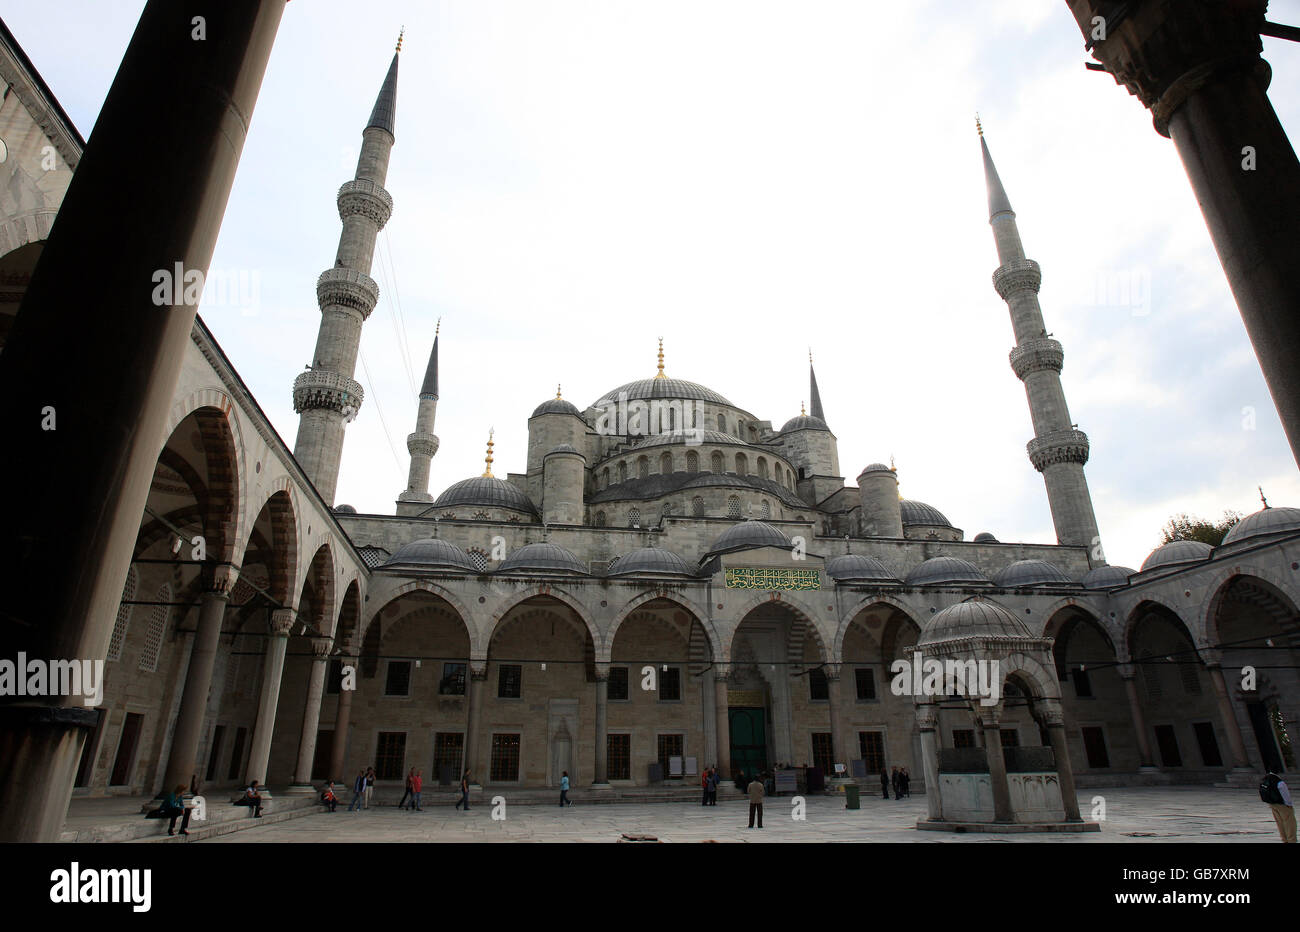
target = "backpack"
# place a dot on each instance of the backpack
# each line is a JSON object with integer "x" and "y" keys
{"x": 1268, "y": 790}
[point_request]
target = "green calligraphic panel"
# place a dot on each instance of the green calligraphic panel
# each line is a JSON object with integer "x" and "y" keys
{"x": 768, "y": 578}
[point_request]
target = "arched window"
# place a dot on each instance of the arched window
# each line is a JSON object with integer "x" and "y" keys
{"x": 643, "y": 467}
{"x": 634, "y": 518}
{"x": 153, "y": 638}
{"x": 622, "y": 471}
{"x": 697, "y": 507}
{"x": 715, "y": 462}
{"x": 672, "y": 420}
{"x": 722, "y": 423}
{"x": 789, "y": 479}
{"x": 692, "y": 461}
{"x": 742, "y": 464}
{"x": 123, "y": 616}
{"x": 479, "y": 558}
{"x": 767, "y": 510}
{"x": 600, "y": 519}
{"x": 695, "y": 416}
{"x": 733, "y": 507}
{"x": 666, "y": 463}
{"x": 762, "y": 468}
{"x": 604, "y": 478}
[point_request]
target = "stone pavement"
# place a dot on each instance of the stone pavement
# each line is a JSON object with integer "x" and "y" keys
{"x": 1133, "y": 814}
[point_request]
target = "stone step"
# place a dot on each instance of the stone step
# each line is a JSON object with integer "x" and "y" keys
{"x": 222, "y": 818}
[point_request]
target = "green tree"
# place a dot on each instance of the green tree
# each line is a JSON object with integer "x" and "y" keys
{"x": 1185, "y": 527}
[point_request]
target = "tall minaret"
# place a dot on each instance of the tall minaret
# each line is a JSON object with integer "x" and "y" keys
{"x": 1058, "y": 449}
{"x": 424, "y": 442}
{"x": 326, "y": 397}
{"x": 814, "y": 396}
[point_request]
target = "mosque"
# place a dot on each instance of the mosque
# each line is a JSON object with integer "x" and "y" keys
{"x": 669, "y": 582}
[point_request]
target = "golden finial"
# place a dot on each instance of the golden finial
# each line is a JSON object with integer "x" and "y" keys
{"x": 802, "y": 412}
{"x": 437, "y": 327}
{"x": 978, "y": 128}
{"x": 660, "y": 374}
{"x": 487, "y": 472}
{"x": 892, "y": 467}
{"x": 557, "y": 391}
{"x": 399, "y": 38}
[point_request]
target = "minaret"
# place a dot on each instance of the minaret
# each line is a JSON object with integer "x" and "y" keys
{"x": 326, "y": 397}
{"x": 814, "y": 396}
{"x": 1058, "y": 449}
{"x": 424, "y": 442}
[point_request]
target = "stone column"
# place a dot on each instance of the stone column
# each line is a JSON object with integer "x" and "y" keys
{"x": 720, "y": 709}
{"x": 838, "y": 751}
{"x": 602, "y": 727}
{"x": 342, "y": 721}
{"x": 181, "y": 764}
{"x": 1053, "y": 716}
{"x": 927, "y": 720}
{"x": 1146, "y": 762}
{"x": 302, "y": 785}
{"x": 1240, "y": 760}
{"x": 989, "y": 719}
{"x": 282, "y": 620}
{"x": 474, "y": 715}
{"x": 69, "y": 535}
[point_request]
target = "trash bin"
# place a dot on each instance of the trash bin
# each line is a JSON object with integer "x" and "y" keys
{"x": 851, "y": 796}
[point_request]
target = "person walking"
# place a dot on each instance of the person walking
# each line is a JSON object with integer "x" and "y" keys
{"x": 417, "y": 784}
{"x": 713, "y": 786}
{"x": 407, "y": 795}
{"x": 564, "y": 790}
{"x": 370, "y": 784}
{"x": 884, "y": 783}
{"x": 1275, "y": 792}
{"x": 464, "y": 791}
{"x": 358, "y": 791}
{"x": 755, "y": 791}
{"x": 173, "y": 807}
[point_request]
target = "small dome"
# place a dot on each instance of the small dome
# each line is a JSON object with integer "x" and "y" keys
{"x": 852, "y": 567}
{"x": 874, "y": 467}
{"x": 556, "y": 406}
{"x": 984, "y": 537}
{"x": 652, "y": 560}
{"x": 485, "y": 491}
{"x": 1031, "y": 573}
{"x": 563, "y": 448}
{"x": 1266, "y": 521}
{"x": 940, "y": 570}
{"x": 804, "y": 422}
{"x": 344, "y": 510}
{"x": 1177, "y": 553}
{"x": 541, "y": 558}
{"x": 921, "y": 513}
{"x": 747, "y": 535}
{"x": 972, "y": 618}
{"x": 432, "y": 552}
{"x": 1107, "y": 577}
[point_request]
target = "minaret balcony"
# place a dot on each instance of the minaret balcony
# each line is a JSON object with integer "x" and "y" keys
{"x": 365, "y": 198}
{"x": 1016, "y": 276}
{"x": 322, "y": 388}
{"x": 1040, "y": 353}
{"x": 418, "y": 444}
{"x": 1058, "y": 446}
{"x": 343, "y": 287}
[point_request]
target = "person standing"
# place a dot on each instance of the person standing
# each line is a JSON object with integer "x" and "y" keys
{"x": 417, "y": 784}
{"x": 713, "y": 786}
{"x": 407, "y": 795}
{"x": 905, "y": 780}
{"x": 464, "y": 791}
{"x": 1275, "y": 792}
{"x": 358, "y": 791}
{"x": 173, "y": 807}
{"x": 564, "y": 790}
{"x": 704, "y": 785}
{"x": 370, "y": 785}
{"x": 755, "y": 791}
{"x": 893, "y": 781}
{"x": 884, "y": 783}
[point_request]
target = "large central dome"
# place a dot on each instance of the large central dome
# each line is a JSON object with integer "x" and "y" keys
{"x": 665, "y": 389}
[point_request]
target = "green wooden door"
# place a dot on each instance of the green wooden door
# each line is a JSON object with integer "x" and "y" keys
{"x": 748, "y": 740}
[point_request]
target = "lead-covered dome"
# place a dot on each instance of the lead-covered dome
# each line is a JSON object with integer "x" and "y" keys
{"x": 486, "y": 492}
{"x": 661, "y": 389}
{"x": 972, "y": 618}
{"x": 853, "y": 567}
{"x": 1263, "y": 522}
{"x": 1177, "y": 553}
{"x": 431, "y": 553}
{"x": 692, "y": 435}
{"x": 1031, "y": 573}
{"x": 919, "y": 513}
{"x": 541, "y": 558}
{"x": 653, "y": 561}
{"x": 1107, "y": 577}
{"x": 556, "y": 405}
{"x": 804, "y": 422}
{"x": 747, "y": 535}
{"x": 940, "y": 570}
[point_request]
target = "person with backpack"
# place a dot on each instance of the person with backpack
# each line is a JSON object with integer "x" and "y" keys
{"x": 1275, "y": 792}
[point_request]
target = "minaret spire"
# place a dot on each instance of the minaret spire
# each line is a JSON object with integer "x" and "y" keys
{"x": 1058, "y": 450}
{"x": 487, "y": 460}
{"x": 423, "y": 443}
{"x": 660, "y": 373}
{"x": 327, "y": 397}
{"x": 814, "y": 396}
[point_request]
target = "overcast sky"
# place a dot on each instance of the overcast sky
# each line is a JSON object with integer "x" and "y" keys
{"x": 747, "y": 180}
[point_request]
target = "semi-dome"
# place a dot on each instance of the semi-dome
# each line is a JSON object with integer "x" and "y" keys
{"x": 1031, "y": 573}
{"x": 914, "y": 513}
{"x": 1177, "y": 553}
{"x": 1266, "y": 521}
{"x": 747, "y": 535}
{"x": 804, "y": 422}
{"x": 940, "y": 570}
{"x": 556, "y": 406}
{"x": 984, "y": 537}
{"x": 541, "y": 558}
{"x": 432, "y": 553}
{"x": 972, "y": 618}
{"x": 662, "y": 389}
{"x": 1107, "y": 577}
{"x": 485, "y": 492}
{"x": 652, "y": 560}
{"x": 853, "y": 567}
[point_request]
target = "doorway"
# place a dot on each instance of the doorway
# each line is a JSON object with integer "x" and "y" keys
{"x": 748, "y": 740}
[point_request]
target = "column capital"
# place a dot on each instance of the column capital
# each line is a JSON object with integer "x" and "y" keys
{"x": 1050, "y": 712}
{"x": 927, "y": 716}
{"x": 282, "y": 621}
{"x": 989, "y": 716}
{"x": 320, "y": 648}
{"x": 219, "y": 578}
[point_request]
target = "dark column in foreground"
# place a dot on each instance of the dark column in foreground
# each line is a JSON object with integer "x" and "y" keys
{"x": 91, "y": 350}
{"x": 1197, "y": 67}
